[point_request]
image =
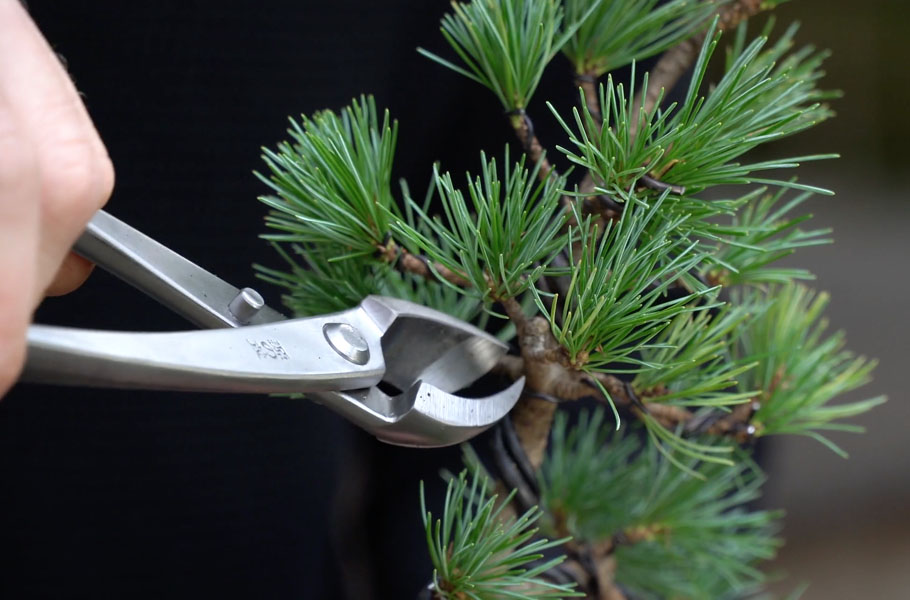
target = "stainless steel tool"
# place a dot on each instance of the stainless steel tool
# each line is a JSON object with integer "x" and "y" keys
{"x": 338, "y": 359}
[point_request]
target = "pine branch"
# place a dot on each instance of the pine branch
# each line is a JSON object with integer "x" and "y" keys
{"x": 334, "y": 207}
{"x": 691, "y": 147}
{"x": 550, "y": 382}
{"x": 505, "y": 46}
{"x": 641, "y": 294}
{"x": 417, "y": 264}
{"x": 524, "y": 131}
{"x": 332, "y": 180}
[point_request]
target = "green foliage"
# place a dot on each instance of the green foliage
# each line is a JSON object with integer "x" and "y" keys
{"x": 478, "y": 554}
{"x": 692, "y": 367}
{"x": 316, "y": 284}
{"x": 505, "y": 45}
{"x": 691, "y": 361}
{"x": 503, "y": 239}
{"x": 616, "y": 302}
{"x": 610, "y": 150}
{"x": 696, "y": 144}
{"x": 677, "y": 536}
{"x": 617, "y": 157}
{"x": 457, "y": 303}
{"x": 588, "y": 469}
{"x": 332, "y": 181}
{"x": 800, "y": 369}
{"x": 672, "y": 505}
{"x": 762, "y": 233}
{"x": 801, "y": 68}
{"x": 755, "y": 102}
{"x": 618, "y": 32}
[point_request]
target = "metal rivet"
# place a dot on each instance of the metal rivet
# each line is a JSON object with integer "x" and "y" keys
{"x": 347, "y": 342}
{"x": 245, "y": 305}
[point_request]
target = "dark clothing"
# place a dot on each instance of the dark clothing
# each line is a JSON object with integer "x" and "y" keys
{"x": 128, "y": 494}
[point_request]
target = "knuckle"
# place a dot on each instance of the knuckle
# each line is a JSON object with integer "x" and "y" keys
{"x": 66, "y": 170}
{"x": 105, "y": 178}
{"x": 17, "y": 163}
{"x": 76, "y": 179}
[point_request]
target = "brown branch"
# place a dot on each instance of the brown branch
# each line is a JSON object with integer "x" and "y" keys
{"x": 408, "y": 262}
{"x": 655, "y": 184}
{"x": 524, "y": 130}
{"x": 735, "y": 424}
{"x": 567, "y": 384}
{"x": 542, "y": 355}
{"x": 551, "y": 376}
{"x": 588, "y": 83}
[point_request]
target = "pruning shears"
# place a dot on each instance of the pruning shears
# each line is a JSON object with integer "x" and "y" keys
{"x": 344, "y": 360}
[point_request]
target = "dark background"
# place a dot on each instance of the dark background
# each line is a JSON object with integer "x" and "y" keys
{"x": 111, "y": 494}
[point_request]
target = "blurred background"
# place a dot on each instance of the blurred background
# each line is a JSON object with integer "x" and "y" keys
{"x": 847, "y": 528}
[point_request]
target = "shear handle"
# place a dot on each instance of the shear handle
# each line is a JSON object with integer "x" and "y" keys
{"x": 341, "y": 351}
{"x": 159, "y": 272}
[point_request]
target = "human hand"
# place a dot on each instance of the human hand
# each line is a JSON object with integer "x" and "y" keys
{"x": 54, "y": 174}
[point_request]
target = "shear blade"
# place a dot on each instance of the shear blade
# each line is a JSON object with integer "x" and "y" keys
{"x": 424, "y": 415}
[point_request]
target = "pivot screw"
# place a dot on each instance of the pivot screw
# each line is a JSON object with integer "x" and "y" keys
{"x": 245, "y": 305}
{"x": 347, "y": 341}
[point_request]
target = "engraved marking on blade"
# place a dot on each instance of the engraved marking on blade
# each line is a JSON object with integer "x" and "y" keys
{"x": 269, "y": 349}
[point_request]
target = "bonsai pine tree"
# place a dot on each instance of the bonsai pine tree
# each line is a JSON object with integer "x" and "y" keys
{"x": 635, "y": 265}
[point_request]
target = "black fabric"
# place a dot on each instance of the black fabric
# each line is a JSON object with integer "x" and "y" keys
{"x": 126, "y": 494}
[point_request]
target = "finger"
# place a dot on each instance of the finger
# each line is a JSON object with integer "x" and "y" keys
{"x": 71, "y": 274}
{"x": 73, "y": 167}
{"x": 19, "y": 222}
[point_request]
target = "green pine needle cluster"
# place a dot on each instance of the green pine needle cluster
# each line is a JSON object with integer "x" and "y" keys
{"x": 315, "y": 284}
{"x": 696, "y": 145}
{"x": 502, "y": 237}
{"x": 505, "y": 45}
{"x": 619, "y": 32}
{"x": 800, "y": 369}
{"x": 676, "y": 536}
{"x": 693, "y": 367}
{"x": 476, "y": 554}
{"x": 332, "y": 181}
{"x": 759, "y": 235}
{"x": 754, "y": 103}
{"x": 692, "y": 360}
{"x": 615, "y": 302}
